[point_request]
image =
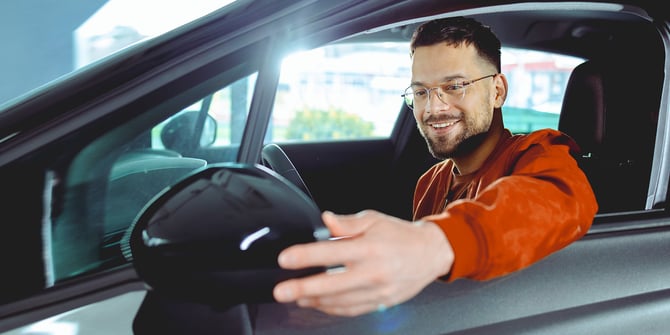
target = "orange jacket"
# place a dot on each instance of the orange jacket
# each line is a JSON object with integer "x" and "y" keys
{"x": 528, "y": 199}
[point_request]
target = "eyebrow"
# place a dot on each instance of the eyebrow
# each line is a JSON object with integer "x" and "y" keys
{"x": 444, "y": 80}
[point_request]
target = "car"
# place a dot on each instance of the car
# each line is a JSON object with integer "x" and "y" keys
{"x": 295, "y": 106}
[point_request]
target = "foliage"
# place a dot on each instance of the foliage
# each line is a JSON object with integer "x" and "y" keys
{"x": 524, "y": 120}
{"x": 331, "y": 124}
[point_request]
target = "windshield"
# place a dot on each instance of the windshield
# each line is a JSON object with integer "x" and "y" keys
{"x": 40, "y": 45}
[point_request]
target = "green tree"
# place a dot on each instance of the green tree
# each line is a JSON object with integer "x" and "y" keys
{"x": 331, "y": 124}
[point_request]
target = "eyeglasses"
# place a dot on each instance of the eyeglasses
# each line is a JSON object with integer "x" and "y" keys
{"x": 418, "y": 96}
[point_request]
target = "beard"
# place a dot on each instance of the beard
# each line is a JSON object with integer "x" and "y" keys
{"x": 475, "y": 130}
{"x": 442, "y": 148}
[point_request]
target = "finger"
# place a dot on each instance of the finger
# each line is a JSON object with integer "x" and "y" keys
{"x": 323, "y": 253}
{"x": 346, "y": 225}
{"x": 320, "y": 285}
{"x": 360, "y": 296}
{"x": 354, "y": 310}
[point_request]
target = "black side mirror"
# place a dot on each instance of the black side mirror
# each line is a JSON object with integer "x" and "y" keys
{"x": 180, "y": 132}
{"x": 214, "y": 237}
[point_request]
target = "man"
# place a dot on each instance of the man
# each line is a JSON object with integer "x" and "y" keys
{"x": 497, "y": 202}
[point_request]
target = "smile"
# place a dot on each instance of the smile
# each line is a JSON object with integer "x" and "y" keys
{"x": 443, "y": 125}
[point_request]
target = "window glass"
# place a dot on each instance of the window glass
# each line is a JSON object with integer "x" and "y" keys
{"x": 340, "y": 92}
{"x": 352, "y": 91}
{"x": 537, "y": 82}
{"x": 119, "y": 23}
{"x": 113, "y": 178}
{"x": 227, "y": 109}
{"x": 79, "y": 33}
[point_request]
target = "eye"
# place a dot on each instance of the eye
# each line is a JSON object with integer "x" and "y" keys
{"x": 420, "y": 93}
{"x": 454, "y": 86}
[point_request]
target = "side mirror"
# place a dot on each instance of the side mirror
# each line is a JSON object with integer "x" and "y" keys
{"x": 214, "y": 237}
{"x": 179, "y": 133}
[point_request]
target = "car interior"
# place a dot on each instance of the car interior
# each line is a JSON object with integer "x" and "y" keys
{"x": 612, "y": 160}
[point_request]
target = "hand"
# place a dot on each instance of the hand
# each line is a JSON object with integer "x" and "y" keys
{"x": 385, "y": 260}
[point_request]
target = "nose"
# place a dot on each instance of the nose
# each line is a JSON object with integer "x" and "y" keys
{"x": 438, "y": 102}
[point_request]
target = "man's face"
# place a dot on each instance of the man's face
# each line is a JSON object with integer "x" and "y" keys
{"x": 447, "y": 122}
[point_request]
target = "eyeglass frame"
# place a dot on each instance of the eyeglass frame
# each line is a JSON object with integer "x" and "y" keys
{"x": 462, "y": 86}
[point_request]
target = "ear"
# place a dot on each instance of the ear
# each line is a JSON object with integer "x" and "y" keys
{"x": 500, "y": 82}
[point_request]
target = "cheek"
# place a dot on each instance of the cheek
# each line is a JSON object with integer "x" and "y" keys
{"x": 489, "y": 99}
{"x": 480, "y": 110}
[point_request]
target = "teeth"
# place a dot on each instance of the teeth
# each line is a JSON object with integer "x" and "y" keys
{"x": 443, "y": 125}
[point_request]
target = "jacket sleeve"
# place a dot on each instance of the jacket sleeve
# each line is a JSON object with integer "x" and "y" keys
{"x": 545, "y": 204}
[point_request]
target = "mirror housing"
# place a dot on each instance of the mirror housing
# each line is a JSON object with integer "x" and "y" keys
{"x": 179, "y": 133}
{"x": 214, "y": 237}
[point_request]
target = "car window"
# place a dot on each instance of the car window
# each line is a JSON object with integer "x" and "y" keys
{"x": 340, "y": 92}
{"x": 537, "y": 82}
{"x": 226, "y": 108}
{"x": 144, "y": 160}
{"x": 78, "y": 34}
{"x": 352, "y": 91}
{"x": 86, "y": 187}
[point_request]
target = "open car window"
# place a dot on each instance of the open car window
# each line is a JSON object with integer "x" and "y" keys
{"x": 340, "y": 92}
{"x": 352, "y": 91}
{"x": 537, "y": 82}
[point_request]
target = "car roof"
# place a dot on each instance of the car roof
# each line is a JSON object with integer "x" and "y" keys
{"x": 566, "y": 28}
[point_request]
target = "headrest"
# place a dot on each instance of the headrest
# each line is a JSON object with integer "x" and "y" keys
{"x": 611, "y": 109}
{"x": 583, "y": 111}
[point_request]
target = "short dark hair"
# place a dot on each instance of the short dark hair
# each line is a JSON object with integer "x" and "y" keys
{"x": 456, "y": 31}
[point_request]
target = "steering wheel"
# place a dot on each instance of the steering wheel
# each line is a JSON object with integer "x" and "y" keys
{"x": 274, "y": 157}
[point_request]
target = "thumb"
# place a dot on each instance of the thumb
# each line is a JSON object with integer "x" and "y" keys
{"x": 344, "y": 225}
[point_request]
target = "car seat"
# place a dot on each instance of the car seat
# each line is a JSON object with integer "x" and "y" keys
{"x": 610, "y": 111}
